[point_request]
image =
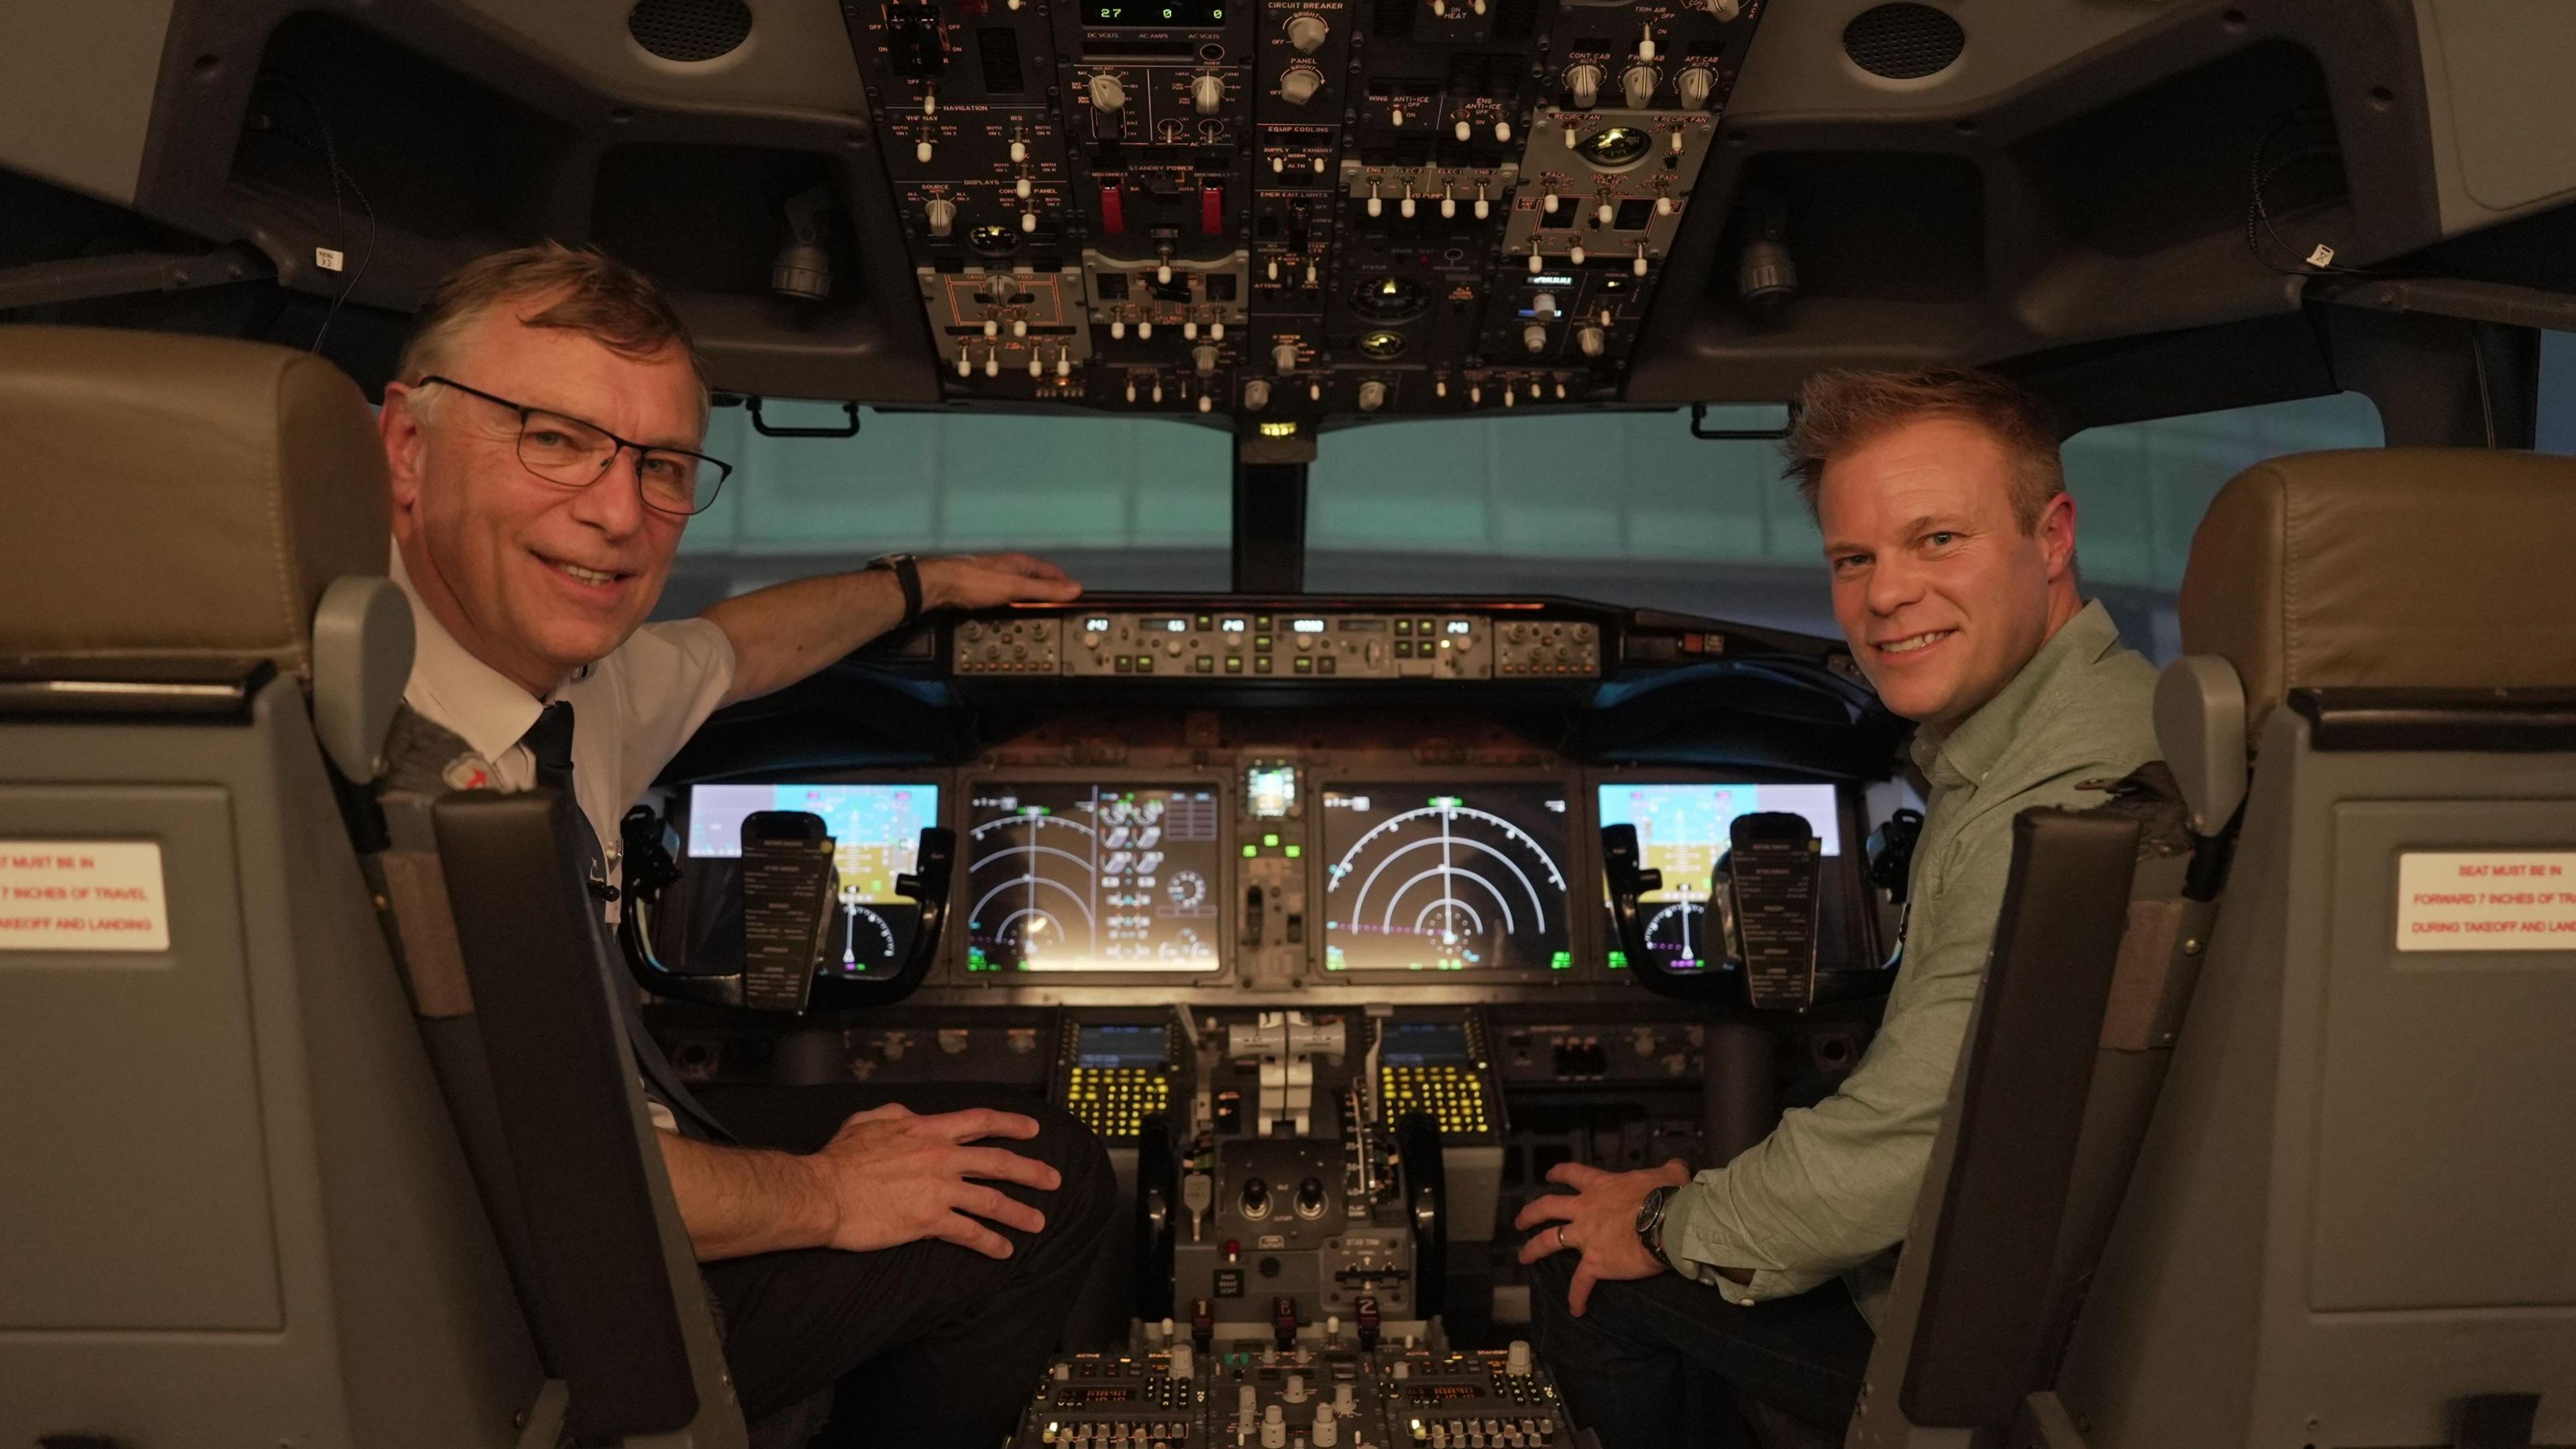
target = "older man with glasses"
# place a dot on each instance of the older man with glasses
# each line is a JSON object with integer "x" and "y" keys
{"x": 543, "y": 435}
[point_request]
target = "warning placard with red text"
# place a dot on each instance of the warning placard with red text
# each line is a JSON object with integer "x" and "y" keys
{"x": 2486, "y": 900}
{"x": 82, "y": 895}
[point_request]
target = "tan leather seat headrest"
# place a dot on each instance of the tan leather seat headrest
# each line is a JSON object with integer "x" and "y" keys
{"x": 177, "y": 497}
{"x": 2400, "y": 567}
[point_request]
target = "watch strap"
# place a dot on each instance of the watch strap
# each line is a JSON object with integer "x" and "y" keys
{"x": 906, "y": 569}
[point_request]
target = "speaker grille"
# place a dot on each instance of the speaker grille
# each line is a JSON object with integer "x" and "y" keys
{"x": 689, "y": 30}
{"x": 1904, "y": 41}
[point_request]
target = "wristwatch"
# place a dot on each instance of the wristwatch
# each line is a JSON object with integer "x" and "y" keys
{"x": 1650, "y": 1222}
{"x": 906, "y": 569}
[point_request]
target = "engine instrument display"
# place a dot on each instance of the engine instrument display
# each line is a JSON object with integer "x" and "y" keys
{"x": 1683, "y": 829}
{"x": 1070, "y": 877}
{"x": 1463, "y": 878}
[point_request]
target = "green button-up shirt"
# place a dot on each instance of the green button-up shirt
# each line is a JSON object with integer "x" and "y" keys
{"x": 1830, "y": 1190}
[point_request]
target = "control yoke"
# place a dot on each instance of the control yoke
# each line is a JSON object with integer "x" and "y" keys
{"x": 1630, "y": 879}
{"x": 1763, "y": 903}
{"x": 791, "y": 902}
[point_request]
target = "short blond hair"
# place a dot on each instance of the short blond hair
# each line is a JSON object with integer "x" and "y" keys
{"x": 579, "y": 289}
{"x": 1844, "y": 409}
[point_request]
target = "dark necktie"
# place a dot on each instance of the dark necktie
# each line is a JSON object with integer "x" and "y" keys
{"x": 549, "y": 740}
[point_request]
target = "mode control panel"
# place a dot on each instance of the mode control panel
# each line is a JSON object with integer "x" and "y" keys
{"x": 1204, "y": 644}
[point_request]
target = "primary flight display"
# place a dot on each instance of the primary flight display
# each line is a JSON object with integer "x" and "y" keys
{"x": 1683, "y": 829}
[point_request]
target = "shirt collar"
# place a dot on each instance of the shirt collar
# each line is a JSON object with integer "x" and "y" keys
{"x": 479, "y": 704}
{"x": 1965, "y": 755}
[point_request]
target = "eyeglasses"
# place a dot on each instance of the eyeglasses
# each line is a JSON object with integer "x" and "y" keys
{"x": 566, "y": 450}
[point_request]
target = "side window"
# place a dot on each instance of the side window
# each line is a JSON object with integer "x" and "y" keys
{"x": 2140, "y": 489}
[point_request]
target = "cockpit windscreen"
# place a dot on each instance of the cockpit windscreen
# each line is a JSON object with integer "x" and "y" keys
{"x": 1074, "y": 877}
{"x": 875, "y": 829}
{"x": 1445, "y": 878}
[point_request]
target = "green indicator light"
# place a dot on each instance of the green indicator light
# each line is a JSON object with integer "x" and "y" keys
{"x": 1564, "y": 961}
{"x": 1295, "y": 851}
{"x": 1270, "y": 840}
{"x": 1446, "y": 802}
{"x": 1618, "y": 960}
{"x": 1250, "y": 851}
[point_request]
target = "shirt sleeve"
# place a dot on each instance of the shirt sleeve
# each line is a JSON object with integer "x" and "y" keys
{"x": 1834, "y": 1184}
{"x": 673, "y": 676}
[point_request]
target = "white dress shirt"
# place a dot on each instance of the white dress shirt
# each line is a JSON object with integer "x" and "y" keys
{"x": 631, "y": 710}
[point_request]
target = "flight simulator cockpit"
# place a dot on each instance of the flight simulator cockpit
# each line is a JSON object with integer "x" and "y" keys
{"x": 1340, "y": 916}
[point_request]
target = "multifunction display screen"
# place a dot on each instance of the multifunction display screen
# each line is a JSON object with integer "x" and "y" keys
{"x": 1683, "y": 829}
{"x": 1456, "y": 878}
{"x": 1424, "y": 1044}
{"x": 1071, "y": 877}
{"x": 1105, "y": 1048}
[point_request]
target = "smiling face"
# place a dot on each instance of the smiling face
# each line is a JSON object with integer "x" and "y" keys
{"x": 1941, "y": 593}
{"x": 533, "y": 577}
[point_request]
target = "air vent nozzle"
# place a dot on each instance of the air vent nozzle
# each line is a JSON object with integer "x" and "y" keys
{"x": 1903, "y": 41}
{"x": 689, "y": 30}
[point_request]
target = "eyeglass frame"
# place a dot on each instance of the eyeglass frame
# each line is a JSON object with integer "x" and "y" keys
{"x": 724, "y": 470}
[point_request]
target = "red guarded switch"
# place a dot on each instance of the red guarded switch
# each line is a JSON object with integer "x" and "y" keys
{"x": 1212, "y": 210}
{"x": 1113, "y": 210}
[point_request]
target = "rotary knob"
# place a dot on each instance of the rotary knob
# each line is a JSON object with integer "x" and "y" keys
{"x": 1591, "y": 340}
{"x": 1306, "y": 33}
{"x": 1534, "y": 337}
{"x": 1297, "y": 87}
{"x": 1256, "y": 394}
{"x": 1372, "y": 397}
{"x": 1694, "y": 85}
{"x": 1725, "y": 9}
{"x": 1583, "y": 83}
{"x": 1639, "y": 84}
{"x": 1203, "y": 357}
{"x": 943, "y": 215}
{"x": 1207, "y": 94}
{"x": 1284, "y": 357}
{"x": 1107, "y": 93}
{"x": 1544, "y": 304}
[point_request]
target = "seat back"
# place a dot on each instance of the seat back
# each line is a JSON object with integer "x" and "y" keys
{"x": 2059, "y": 1067}
{"x": 2348, "y": 1222}
{"x": 231, "y": 1209}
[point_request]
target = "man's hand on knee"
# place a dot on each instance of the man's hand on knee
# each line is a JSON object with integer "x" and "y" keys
{"x": 895, "y": 1176}
{"x": 1597, "y": 1220}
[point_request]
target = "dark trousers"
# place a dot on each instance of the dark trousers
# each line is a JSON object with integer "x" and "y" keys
{"x": 1631, "y": 1364}
{"x": 930, "y": 1343}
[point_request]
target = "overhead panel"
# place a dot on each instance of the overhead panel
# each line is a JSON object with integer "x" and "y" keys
{"x": 1292, "y": 210}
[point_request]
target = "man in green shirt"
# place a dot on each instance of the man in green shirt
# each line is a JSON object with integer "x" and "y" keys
{"x": 1950, "y": 541}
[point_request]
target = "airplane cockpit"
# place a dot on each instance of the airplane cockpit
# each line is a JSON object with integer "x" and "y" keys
{"x": 1347, "y": 909}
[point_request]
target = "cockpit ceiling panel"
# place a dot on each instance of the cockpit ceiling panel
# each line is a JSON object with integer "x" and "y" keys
{"x": 1281, "y": 216}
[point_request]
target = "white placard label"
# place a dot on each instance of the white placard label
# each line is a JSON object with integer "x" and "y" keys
{"x": 82, "y": 895}
{"x": 2486, "y": 900}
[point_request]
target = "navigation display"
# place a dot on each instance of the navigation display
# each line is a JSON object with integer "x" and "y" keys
{"x": 1457, "y": 878}
{"x": 1070, "y": 877}
{"x": 1682, "y": 829}
{"x": 875, "y": 829}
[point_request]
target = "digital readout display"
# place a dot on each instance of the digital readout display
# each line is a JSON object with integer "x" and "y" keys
{"x": 1154, "y": 14}
{"x": 1424, "y": 1044}
{"x": 1109, "y": 1047}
